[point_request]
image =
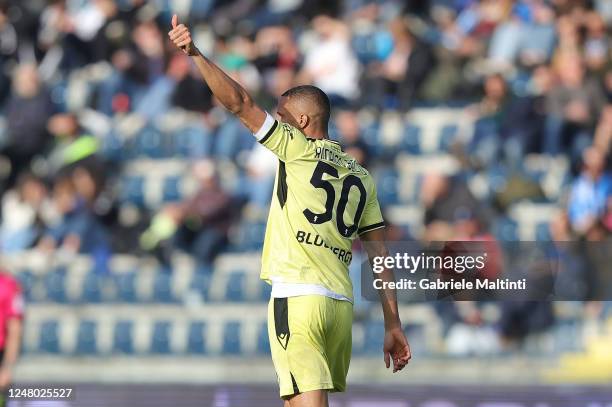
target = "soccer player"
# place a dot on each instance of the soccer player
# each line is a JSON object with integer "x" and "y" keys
{"x": 11, "y": 314}
{"x": 323, "y": 201}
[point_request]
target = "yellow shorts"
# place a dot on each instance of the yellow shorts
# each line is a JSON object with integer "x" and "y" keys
{"x": 310, "y": 339}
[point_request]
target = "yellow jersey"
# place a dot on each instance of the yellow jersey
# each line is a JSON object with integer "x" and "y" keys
{"x": 323, "y": 200}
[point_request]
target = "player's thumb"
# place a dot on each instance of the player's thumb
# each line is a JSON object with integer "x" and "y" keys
{"x": 387, "y": 359}
{"x": 174, "y": 21}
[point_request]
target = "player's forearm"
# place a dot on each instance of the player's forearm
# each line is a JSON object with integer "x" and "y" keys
{"x": 13, "y": 343}
{"x": 229, "y": 92}
{"x": 388, "y": 301}
{"x": 388, "y": 298}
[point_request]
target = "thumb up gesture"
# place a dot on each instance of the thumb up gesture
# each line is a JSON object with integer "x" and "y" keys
{"x": 181, "y": 37}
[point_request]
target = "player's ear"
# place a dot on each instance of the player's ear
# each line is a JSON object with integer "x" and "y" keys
{"x": 304, "y": 120}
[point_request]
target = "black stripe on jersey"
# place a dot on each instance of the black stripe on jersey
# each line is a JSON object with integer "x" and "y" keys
{"x": 281, "y": 185}
{"x": 269, "y": 133}
{"x": 281, "y": 321}
{"x": 370, "y": 227}
{"x": 296, "y": 389}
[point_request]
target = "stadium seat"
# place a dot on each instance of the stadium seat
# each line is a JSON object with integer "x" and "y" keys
{"x": 132, "y": 190}
{"x": 387, "y": 187}
{"x": 92, "y": 288}
{"x": 251, "y": 236}
{"x": 371, "y": 137}
{"x": 111, "y": 147}
{"x": 447, "y": 137}
{"x": 86, "y": 338}
{"x": 231, "y": 338}
{"x": 543, "y": 231}
{"x": 149, "y": 143}
{"x": 126, "y": 286}
{"x": 191, "y": 142}
{"x": 200, "y": 282}
{"x": 172, "y": 189}
{"x": 265, "y": 292}
{"x": 160, "y": 341}
{"x": 374, "y": 336}
{"x": 49, "y": 337}
{"x": 122, "y": 340}
{"x": 55, "y": 285}
{"x": 27, "y": 280}
{"x": 196, "y": 338}
{"x": 263, "y": 340}
{"x": 162, "y": 288}
{"x": 505, "y": 229}
{"x": 234, "y": 290}
{"x": 411, "y": 139}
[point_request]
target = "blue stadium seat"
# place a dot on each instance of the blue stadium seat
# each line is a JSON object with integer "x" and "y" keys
{"x": 112, "y": 147}
{"x": 374, "y": 336}
{"x": 86, "y": 338}
{"x": 132, "y": 190}
{"x": 27, "y": 279}
{"x": 234, "y": 290}
{"x": 387, "y": 186}
{"x": 191, "y": 142}
{"x": 149, "y": 143}
{"x": 160, "y": 342}
{"x": 172, "y": 189}
{"x": 505, "y": 229}
{"x": 126, "y": 286}
{"x": 196, "y": 338}
{"x": 371, "y": 136}
{"x": 263, "y": 340}
{"x": 447, "y": 137}
{"x": 49, "y": 337}
{"x": 251, "y": 236}
{"x": 231, "y": 338}
{"x": 411, "y": 139}
{"x": 92, "y": 288}
{"x": 162, "y": 288}
{"x": 543, "y": 232}
{"x": 122, "y": 341}
{"x": 200, "y": 282}
{"x": 266, "y": 291}
{"x": 55, "y": 285}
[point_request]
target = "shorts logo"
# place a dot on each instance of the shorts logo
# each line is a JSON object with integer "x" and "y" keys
{"x": 281, "y": 321}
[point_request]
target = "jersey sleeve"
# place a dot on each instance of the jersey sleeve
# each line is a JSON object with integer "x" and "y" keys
{"x": 284, "y": 140}
{"x": 371, "y": 218}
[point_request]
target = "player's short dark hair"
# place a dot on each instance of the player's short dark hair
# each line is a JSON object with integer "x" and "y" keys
{"x": 316, "y": 95}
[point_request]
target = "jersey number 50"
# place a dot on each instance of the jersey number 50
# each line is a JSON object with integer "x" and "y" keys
{"x": 350, "y": 181}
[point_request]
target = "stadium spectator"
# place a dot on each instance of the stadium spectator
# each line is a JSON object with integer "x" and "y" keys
{"x": 447, "y": 200}
{"x": 395, "y": 81}
{"x": 349, "y": 133}
{"x": 76, "y": 230}
{"x": 72, "y": 146}
{"x": 590, "y": 194}
{"x": 11, "y": 316}
{"x": 573, "y": 106}
{"x": 198, "y": 225}
{"x": 23, "y": 214}
{"x": 27, "y": 111}
{"x": 136, "y": 66}
{"x": 331, "y": 64}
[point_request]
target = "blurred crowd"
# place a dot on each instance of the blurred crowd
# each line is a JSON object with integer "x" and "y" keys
{"x": 535, "y": 77}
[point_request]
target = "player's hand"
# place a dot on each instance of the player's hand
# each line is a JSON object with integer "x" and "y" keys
{"x": 396, "y": 347}
{"x": 181, "y": 37}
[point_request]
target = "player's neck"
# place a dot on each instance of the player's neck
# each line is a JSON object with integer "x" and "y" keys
{"x": 316, "y": 134}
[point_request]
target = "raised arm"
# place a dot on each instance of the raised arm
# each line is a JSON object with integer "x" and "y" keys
{"x": 395, "y": 344}
{"x": 229, "y": 92}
